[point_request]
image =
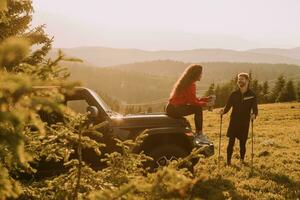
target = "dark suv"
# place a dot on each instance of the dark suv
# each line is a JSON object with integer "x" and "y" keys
{"x": 168, "y": 138}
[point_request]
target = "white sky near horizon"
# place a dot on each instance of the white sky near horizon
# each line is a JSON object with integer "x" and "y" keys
{"x": 171, "y": 24}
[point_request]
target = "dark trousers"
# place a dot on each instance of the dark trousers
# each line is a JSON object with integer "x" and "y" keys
{"x": 230, "y": 148}
{"x": 184, "y": 110}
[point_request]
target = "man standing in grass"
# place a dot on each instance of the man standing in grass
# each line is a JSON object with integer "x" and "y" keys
{"x": 242, "y": 101}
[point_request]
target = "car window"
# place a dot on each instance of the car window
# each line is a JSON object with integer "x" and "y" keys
{"x": 78, "y": 106}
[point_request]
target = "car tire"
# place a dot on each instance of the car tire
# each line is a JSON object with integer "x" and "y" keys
{"x": 163, "y": 154}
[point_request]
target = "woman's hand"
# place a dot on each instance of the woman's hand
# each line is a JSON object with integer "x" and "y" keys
{"x": 210, "y": 103}
{"x": 211, "y": 100}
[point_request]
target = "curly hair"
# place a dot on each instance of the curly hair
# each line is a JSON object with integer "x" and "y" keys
{"x": 245, "y": 75}
{"x": 190, "y": 75}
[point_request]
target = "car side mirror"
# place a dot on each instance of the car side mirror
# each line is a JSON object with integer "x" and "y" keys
{"x": 93, "y": 111}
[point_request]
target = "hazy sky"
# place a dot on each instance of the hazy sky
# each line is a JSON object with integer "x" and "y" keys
{"x": 171, "y": 24}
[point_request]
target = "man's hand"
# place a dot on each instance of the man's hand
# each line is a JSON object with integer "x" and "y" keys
{"x": 221, "y": 112}
{"x": 253, "y": 116}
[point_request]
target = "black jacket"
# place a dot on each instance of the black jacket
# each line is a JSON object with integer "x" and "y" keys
{"x": 241, "y": 104}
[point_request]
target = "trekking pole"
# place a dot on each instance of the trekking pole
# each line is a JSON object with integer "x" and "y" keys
{"x": 220, "y": 137}
{"x": 252, "y": 144}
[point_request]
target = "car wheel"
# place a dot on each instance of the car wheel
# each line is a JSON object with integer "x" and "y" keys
{"x": 163, "y": 154}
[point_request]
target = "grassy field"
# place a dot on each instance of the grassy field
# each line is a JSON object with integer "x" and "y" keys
{"x": 276, "y": 172}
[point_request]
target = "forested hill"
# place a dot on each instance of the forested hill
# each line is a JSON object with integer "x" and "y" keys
{"x": 130, "y": 87}
{"x": 215, "y": 71}
{"x": 149, "y": 81}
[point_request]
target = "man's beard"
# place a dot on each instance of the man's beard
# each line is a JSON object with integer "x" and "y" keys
{"x": 241, "y": 84}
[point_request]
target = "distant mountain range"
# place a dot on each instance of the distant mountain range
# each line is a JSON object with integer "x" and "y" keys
{"x": 291, "y": 53}
{"x": 102, "y": 56}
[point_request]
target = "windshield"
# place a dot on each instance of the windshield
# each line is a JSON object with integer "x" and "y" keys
{"x": 102, "y": 103}
{"x": 105, "y": 107}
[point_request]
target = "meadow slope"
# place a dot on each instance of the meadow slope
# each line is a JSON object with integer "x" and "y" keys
{"x": 276, "y": 158}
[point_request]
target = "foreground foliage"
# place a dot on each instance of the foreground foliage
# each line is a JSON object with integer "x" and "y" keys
{"x": 26, "y": 139}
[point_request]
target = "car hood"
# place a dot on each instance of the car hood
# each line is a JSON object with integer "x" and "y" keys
{"x": 148, "y": 121}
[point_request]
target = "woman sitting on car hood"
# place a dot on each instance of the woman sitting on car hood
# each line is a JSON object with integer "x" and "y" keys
{"x": 183, "y": 100}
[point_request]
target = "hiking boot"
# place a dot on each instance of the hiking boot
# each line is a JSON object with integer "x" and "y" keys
{"x": 228, "y": 163}
{"x": 243, "y": 163}
{"x": 203, "y": 138}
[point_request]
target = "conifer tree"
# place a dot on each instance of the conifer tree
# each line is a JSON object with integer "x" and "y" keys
{"x": 15, "y": 21}
{"x": 149, "y": 110}
{"x": 265, "y": 88}
{"x": 265, "y": 92}
{"x": 298, "y": 91}
{"x": 278, "y": 88}
{"x": 211, "y": 90}
{"x": 288, "y": 93}
{"x": 257, "y": 89}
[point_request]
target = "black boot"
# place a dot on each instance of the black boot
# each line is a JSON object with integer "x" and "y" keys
{"x": 229, "y": 155}
{"x": 228, "y": 163}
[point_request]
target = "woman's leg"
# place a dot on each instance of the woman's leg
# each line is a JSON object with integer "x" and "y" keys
{"x": 198, "y": 119}
{"x": 184, "y": 110}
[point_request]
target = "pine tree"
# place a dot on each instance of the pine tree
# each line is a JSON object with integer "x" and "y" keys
{"x": 15, "y": 22}
{"x": 21, "y": 126}
{"x": 250, "y": 75}
{"x": 278, "y": 88}
{"x": 298, "y": 91}
{"x": 12, "y": 52}
{"x": 257, "y": 89}
{"x": 126, "y": 112}
{"x": 265, "y": 92}
{"x": 265, "y": 88}
{"x": 288, "y": 93}
{"x": 149, "y": 110}
{"x": 139, "y": 109}
{"x": 211, "y": 90}
{"x": 223, "y": 92}
{"x": 291, "y": 91}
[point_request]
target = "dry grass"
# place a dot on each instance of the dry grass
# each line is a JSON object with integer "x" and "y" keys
{"x": 276, "y": 172}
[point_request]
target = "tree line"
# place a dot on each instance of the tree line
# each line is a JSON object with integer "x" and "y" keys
{"x": 283, "y": 90}
{"x": 148, "y": 81}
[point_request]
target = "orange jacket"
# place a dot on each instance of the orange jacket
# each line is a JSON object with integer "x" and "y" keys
{"x": 187, "y": 97}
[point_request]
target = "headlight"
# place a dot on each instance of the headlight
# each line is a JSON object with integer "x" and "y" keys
{"x": 200, "y": 140}
{"x": 197, "y": 141}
